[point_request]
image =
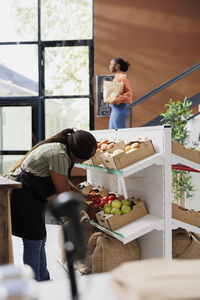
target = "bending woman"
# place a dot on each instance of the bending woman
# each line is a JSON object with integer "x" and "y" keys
{"x": 119, "y": 111}
{"x": 44, "y": 172}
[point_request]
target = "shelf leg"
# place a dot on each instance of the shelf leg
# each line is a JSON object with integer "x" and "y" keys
{"x": 123, "y": 187}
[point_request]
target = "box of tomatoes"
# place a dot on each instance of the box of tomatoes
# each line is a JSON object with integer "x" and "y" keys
{"x": 97, "y": 202}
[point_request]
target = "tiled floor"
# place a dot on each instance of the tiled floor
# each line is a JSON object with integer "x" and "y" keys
{"x": 53, "y": 251}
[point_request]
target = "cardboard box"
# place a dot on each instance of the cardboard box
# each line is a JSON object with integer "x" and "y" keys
{"x": 193, "y": 155}
{"x": 185, "y": 215}
{"x": 91, "y": 210}
{"x": 100, "y": 191}
{"x": 114, "y": 222}
{"x": 125, "y": 159}
{"x": 85, "y": 187}
{"x": 97, "y": 158}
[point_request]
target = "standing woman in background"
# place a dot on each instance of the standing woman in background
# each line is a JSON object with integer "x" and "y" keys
{"x": 119, "y": 111}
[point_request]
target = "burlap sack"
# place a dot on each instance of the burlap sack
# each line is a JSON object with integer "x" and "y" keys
{"x": 106, "y": 253}
{"x": 88, "y": 231}
{"x": 185, "y": 245}
{"x": 112, "y": 89}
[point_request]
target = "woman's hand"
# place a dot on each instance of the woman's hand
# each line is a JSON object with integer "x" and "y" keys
{"x": 88, "y": 196}
{"x": 50, "y": 198}
{"x": 112, "y": 101}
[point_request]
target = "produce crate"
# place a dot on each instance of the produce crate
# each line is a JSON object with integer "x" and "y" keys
{"x": 125, "y": 159}
{"x": 193, "y": 155}
{"x": 114, "y": 222}
{"x": 97, "y": 158}
{"x": 87, "y": 188}
{"x": 189, "y": 216}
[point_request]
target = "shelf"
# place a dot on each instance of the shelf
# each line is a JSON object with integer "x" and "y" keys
{"x": 180, "y": 162}
{"x": 156, "y": 158}
{"x": 176, "y": 224}
{"x": 135, "y": 229}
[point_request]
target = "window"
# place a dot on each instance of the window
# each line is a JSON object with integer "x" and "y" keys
{"x": 46, "y": 71}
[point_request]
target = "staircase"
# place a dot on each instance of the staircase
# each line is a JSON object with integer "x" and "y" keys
{"x": 157, "y": 121}
{"x": 193, "y": 126}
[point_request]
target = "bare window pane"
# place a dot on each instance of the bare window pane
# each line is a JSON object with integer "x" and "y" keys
{"x": 15, "y": 128}
{"x": 66, "y": 20}
{"x": 7, "y": 161}
{"x": 66, "y": 113}
{"x": 18, "y": 20}
{"x": 18, "y": 70}
{"x": 67, "y": 71}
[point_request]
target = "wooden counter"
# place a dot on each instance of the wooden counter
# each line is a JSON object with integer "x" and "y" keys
{"x": 6, "y": 250}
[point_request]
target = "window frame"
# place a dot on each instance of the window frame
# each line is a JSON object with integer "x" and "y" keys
{"x": 71, "y": 43}
{"x": 39, "y": 132}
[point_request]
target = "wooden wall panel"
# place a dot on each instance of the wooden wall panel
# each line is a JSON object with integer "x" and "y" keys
{"x": 159, "y": 38}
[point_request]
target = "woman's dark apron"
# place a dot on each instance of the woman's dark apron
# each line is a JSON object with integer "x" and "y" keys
{"x": 28, "y": 205}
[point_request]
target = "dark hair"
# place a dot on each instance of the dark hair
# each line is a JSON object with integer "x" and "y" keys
{"x": 124, "y": 65}
{"x": 80, "y": 142}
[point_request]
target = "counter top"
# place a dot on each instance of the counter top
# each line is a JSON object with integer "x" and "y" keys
{"x": 90, "y": 287}
{"x": 8, "y": 183}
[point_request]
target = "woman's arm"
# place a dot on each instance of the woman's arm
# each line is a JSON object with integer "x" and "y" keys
{"x": 76, "y": 189}
{"x": 126, "y": 96}
{"x": 73, "y": 187}
{"x": 61, "y": 182}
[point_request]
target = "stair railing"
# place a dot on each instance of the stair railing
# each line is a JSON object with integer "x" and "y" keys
{"x": 160, "y": 88}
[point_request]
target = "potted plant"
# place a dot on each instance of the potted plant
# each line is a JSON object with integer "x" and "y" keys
{"x": 177, "y": 116}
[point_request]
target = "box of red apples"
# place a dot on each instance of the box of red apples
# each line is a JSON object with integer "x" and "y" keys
{"x": 97, "y": 203}
{"x": 110, "y": 209}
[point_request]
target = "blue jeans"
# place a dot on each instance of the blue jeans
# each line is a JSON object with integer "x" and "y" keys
{"x": 118, "y": 116}
{"x": 35, "y": 256}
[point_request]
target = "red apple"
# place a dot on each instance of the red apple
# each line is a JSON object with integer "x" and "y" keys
{"x": 102, "y": 203}
{"x": 96, "y": 199}
{"x": 112, "y": 197}
{"x": 106, "y": 198}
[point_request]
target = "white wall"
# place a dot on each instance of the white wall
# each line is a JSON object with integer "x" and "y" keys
{"x": 194, "y": 128}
